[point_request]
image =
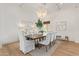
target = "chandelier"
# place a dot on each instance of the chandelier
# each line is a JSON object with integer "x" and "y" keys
{"x": 42, "y": 11}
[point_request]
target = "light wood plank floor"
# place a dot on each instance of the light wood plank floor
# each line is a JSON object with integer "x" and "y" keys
{"x": 12, "y": 50}
{"x": 67, "y": 49}
{"x": 64, "y": 49}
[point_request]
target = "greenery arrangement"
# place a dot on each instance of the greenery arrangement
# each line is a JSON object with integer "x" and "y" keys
{"x": 39, "y": 24}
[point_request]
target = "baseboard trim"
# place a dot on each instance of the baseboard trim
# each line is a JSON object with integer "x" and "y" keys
{"x": 76, "y": 41}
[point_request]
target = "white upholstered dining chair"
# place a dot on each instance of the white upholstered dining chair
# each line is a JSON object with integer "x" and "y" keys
{"x": 25, "y": 45}
{"x": 53, "y": 37}
{"x": 47, "y": 42}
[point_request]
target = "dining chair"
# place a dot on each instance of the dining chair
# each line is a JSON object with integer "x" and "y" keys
{"x": 25, "y": 45}
{"x": 46, "y": 42}
{"x": 53, "y": 38}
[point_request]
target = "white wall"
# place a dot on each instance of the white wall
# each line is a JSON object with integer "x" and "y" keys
{"x": 71, "y": 15}
{"x": 11, "y": 14}
{"x": 8, "y": 23}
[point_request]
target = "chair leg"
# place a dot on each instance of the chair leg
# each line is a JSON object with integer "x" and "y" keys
{"x": 50, "y": 44}
{"x": 54, "y": 42}
{"x": 46, "y": 48}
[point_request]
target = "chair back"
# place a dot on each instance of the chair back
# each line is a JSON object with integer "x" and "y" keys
{"x": 48, "y": 37}
{"x": 52, "y": 36}
{"x": 25, "y": 45}
{"x": 21, "y": 36}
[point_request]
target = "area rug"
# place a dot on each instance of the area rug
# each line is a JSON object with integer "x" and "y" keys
{"x": 42, "y": 50}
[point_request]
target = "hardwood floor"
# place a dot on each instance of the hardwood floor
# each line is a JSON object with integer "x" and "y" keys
{"x": 67, "y": 49}
{"x": 12, "y": 50}
{"x": 64, "y": 49}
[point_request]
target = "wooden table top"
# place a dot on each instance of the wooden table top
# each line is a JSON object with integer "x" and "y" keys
{"x": 35, "y": 36}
